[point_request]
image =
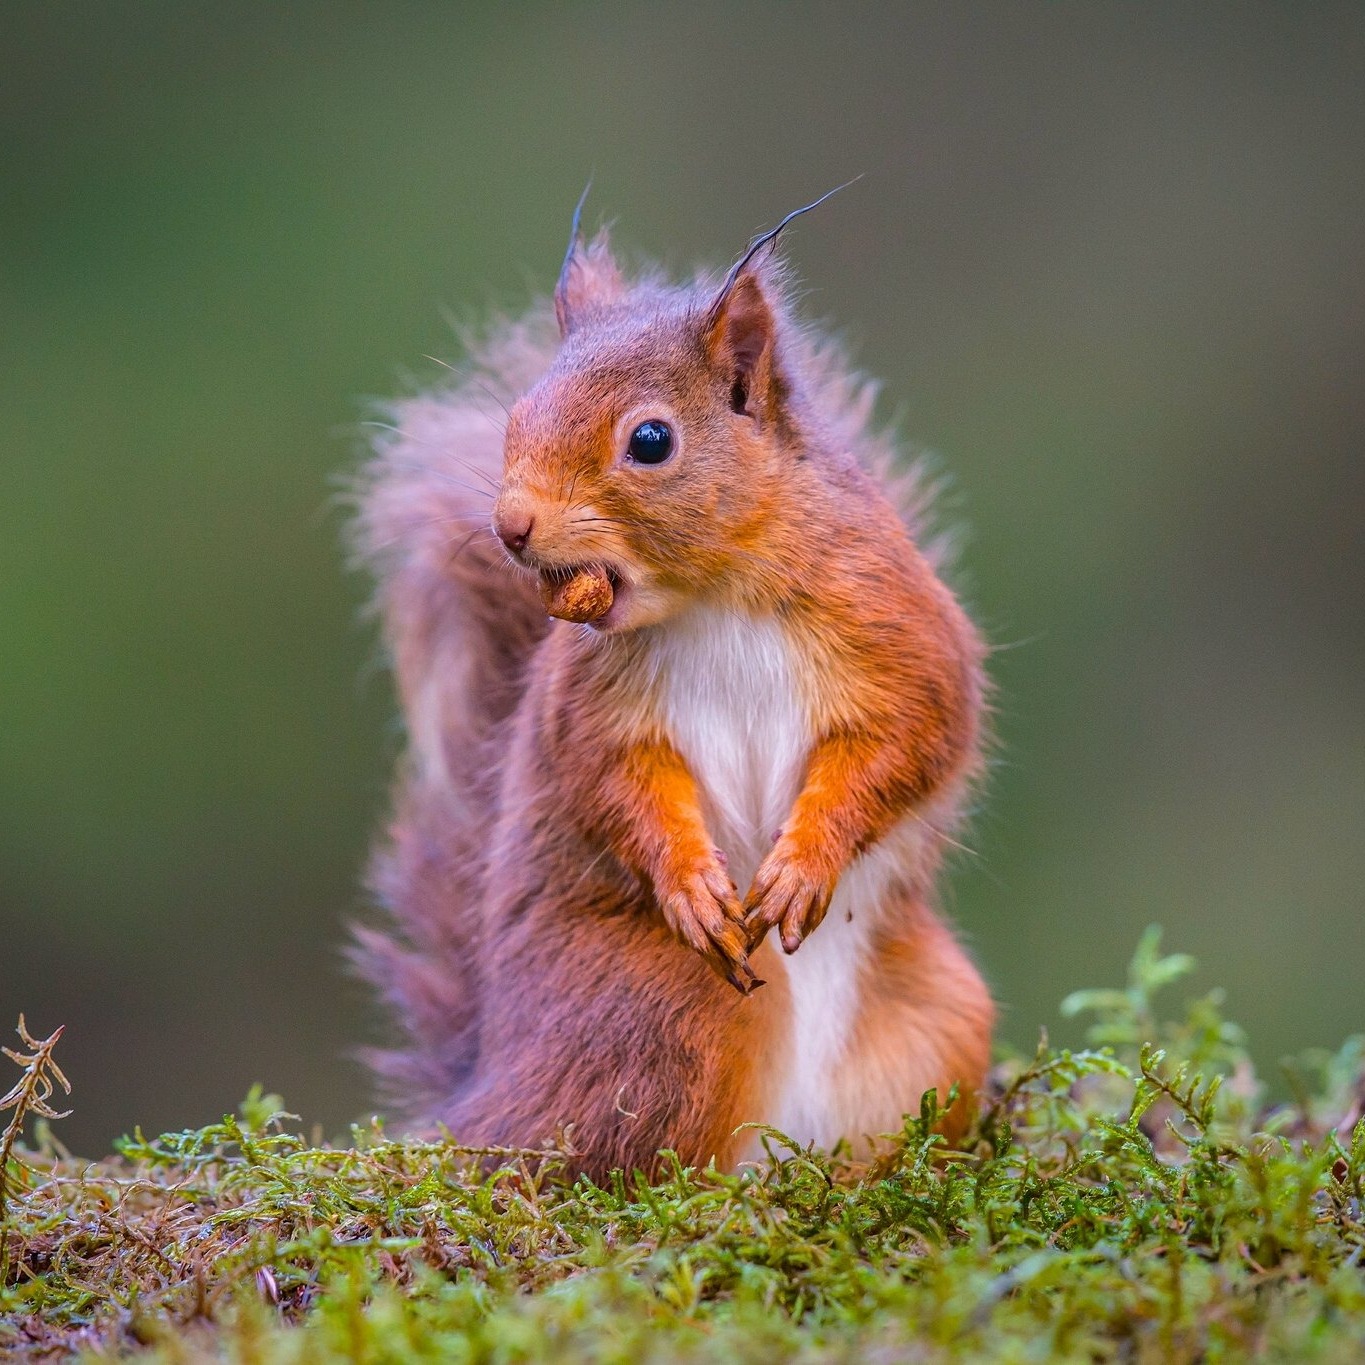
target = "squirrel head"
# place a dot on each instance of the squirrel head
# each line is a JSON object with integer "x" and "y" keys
{"x": 661, "y": 441}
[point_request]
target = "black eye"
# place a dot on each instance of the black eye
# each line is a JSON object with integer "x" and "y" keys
{"x": 650, "y": 443}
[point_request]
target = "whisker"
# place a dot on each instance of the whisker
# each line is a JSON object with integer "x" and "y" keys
{"x": 445, "y": 452}
{"x": 596, "y": 516}
{"x": 465, "y": 543}
{"x": 499, "y": 426}
{"x": 586, "y": 873}
{"x": 947, "y": 838}
{"x": 469, "y": 377}
{"x": 421, "y": 467}
{"x": 461, "y": 372}
{"x": 379, "y": 547}
{"x": 460, "y": 483}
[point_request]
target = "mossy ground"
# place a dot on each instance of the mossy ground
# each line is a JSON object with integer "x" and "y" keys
{"x": 1135, "y": 1201}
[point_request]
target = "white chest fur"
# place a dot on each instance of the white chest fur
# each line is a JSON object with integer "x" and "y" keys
{"x": 735, "y": 712}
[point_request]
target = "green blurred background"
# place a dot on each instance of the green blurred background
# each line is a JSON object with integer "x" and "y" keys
{"x": 1109, "y": 261}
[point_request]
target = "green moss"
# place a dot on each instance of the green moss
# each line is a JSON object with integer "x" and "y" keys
{"x": 1136, "y": 1201}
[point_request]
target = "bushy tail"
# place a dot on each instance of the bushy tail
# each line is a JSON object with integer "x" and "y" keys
{"x": 459, "y": 626}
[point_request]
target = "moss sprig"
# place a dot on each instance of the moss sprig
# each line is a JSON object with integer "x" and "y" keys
{"x": 31, "y": 1094}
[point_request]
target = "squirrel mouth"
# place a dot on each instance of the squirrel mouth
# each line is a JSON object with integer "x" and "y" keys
{"x": 583, "y": 593}
{"x": 564, "y": 573}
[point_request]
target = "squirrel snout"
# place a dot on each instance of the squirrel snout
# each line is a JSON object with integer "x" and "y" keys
{"x": 513, "y": 528}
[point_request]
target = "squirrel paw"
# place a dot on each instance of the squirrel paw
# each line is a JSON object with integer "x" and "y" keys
{"x": 705, "y": 913}
{"x": 790, "y": 893}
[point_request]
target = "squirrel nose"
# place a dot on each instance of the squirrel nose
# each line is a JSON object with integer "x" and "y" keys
{"x": 515, "y": 531}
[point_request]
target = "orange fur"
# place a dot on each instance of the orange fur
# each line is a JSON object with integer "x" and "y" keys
{"x": 580, "y": 800}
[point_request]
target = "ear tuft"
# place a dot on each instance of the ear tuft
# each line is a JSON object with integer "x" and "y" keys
{"x": 590, "y": 279}
{"x": 741, "y": 330}
{"x": 741, "y": 324}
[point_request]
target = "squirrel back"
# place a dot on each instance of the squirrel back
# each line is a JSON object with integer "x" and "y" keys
{"x": 464, "y": 628}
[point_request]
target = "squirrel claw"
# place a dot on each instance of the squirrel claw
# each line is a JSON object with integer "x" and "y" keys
{"x": 787, "y": 895}
{"x": 745, "y": 982}
{"x": 704, "y": 913}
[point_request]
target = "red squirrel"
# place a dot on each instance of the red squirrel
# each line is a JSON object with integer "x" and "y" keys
{"x": 665, "y": 868}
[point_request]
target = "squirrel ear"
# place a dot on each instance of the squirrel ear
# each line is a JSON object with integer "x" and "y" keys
{"x": 589, "y": 278}
{"x": 741, "y": 324}
{"x": 741, "y": 327}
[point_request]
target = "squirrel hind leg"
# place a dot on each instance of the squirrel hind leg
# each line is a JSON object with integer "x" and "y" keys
{"x": 925, "y": 1022}
{"x": 629, "y": 1041}
{"x": 918, "y": 1017}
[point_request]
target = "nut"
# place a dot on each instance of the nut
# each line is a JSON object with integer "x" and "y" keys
{"x": 585, "y": 595}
